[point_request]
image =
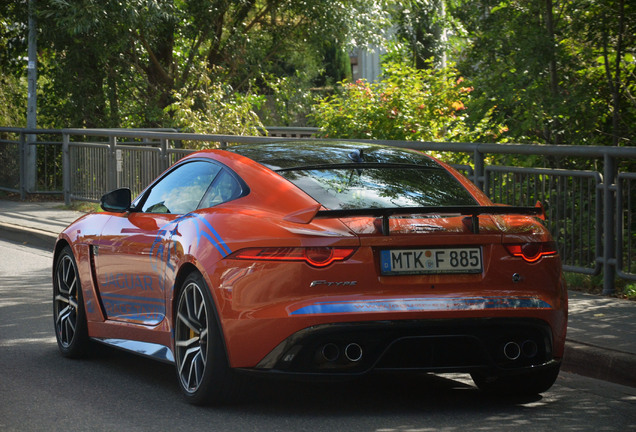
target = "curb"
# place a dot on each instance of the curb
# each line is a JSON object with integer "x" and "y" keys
{"x": 28, "y": 236}
{"x": 600, "y": 363}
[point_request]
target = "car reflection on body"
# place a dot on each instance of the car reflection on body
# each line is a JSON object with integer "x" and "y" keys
{"x": 321, "y": 259}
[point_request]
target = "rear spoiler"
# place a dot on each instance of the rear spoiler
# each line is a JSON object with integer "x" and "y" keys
{"x": 472, "y": 211}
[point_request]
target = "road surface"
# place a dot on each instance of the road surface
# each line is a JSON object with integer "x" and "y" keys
{"x": 112, "y": 390}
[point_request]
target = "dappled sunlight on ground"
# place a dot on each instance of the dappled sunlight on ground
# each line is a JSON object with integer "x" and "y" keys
{"x": 114, "y": 390}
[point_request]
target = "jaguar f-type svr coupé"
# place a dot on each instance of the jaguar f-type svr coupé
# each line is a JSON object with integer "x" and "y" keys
{"x": 314, "y": 259}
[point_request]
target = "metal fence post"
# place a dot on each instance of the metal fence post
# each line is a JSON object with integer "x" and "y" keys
{"x": 66, "y": 168}
{"x": 609, "y": 223}
{"x": 479, "y": 169}
{"x": 165, "y": 162}
{"x": 22, "y": 165}
{"x": 112, "y": 163}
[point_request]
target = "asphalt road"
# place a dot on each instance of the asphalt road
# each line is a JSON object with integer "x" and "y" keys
{"x": 112, "y": 391}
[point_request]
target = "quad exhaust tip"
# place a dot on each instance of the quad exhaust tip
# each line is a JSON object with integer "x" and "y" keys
{"x": 330, "y": 352}
{"x": 353, "y": 352}
{"x": 512, "y": 350}
{"x": 529, "y": 348}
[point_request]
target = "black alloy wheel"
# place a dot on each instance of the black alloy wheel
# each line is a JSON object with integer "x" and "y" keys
{"x": 68, "y": 306}
{"x": 201, "y": 361}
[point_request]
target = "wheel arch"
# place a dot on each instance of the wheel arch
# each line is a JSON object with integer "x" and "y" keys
{"x": 184, "y": 271}
{"x": 77, "y": 344}
{"x": 59, "y": 246}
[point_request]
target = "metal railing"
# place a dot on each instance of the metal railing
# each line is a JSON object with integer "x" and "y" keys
{"x": 591, "y": 214}
{"x": 573, "y": 203}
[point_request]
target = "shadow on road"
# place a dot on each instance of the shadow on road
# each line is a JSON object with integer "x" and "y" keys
{"x": 115, "y": 390}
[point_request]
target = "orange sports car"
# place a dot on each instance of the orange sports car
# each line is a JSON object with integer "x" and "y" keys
{"x": 319, "y": 259}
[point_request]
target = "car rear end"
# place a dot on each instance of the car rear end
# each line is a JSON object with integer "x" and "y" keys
{"x": 400, "y": 268}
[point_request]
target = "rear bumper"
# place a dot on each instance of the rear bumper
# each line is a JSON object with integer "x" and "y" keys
{"x": 497, "y": 346}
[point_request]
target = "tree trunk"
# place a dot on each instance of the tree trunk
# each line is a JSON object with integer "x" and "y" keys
{"x": 616, "y": 90}
{"x": 552, "y": 67}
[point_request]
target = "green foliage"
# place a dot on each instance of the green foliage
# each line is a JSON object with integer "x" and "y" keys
{"x": 13, "y": 49}
{"x": 215, "y": 108}
{"x": 583, "y": 282}
{"x": 288, "y": 99}
{"x": 551, "y": 71}
{"x": 406, "y": 104}
{"x": 109, "y": 63}
{"x": 594, "y": 285}
{"x": 13, "y": 92}
{"x": 421, "y": 26}
{"x": 557, "y": 71}
{"x": 13, "y": 36}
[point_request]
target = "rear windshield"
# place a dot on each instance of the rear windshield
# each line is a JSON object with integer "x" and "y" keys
{"x": 344, "y": 188}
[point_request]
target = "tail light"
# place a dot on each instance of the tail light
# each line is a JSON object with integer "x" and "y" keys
{"x": 314, "y": 256}
{"x": 532, "y": 252}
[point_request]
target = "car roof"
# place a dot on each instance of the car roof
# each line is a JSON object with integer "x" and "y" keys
{"x": 290, "y": 154}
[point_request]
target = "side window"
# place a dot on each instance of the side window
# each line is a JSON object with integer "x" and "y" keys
{"x": 181, "y": 190}
{"x": 224, "y": 188}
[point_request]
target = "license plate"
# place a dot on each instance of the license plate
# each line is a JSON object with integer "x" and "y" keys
{"x": 430, "y": 261}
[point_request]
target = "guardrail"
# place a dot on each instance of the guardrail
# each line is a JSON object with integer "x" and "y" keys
{"x": 591, "y": 214}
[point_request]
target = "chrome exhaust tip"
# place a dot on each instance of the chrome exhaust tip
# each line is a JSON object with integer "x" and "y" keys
{"x": 330, "y": 352}
{"x": 512, "y": 350}
{"x": 529, "y": 348}
{"x": 353, "y": 352}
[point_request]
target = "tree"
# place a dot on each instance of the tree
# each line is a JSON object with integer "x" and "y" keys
{"x": 421, "y": 25}
{"x": 606, "y": 42}
{"x": 428, "y": 104}
{"x": 558, "y": 71}
{"x": 215, "y": 108}
{"x": 119, "y": 64}
{"x": 13, "y": 48}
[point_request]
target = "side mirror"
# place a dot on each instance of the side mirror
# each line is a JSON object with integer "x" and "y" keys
{"x": 117, "y": 201}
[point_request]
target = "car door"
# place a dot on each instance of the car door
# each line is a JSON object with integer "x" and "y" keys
{"x": 137, "y": 247}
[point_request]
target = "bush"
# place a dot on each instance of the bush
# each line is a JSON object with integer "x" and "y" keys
{"x": 288, "y": 99}
{"x": 214, "y": 108}
{"x": 406, "y": 104}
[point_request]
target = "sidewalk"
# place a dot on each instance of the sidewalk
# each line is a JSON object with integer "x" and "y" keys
{"x": 34, "y": 223}
{"x": 601, "y": 340}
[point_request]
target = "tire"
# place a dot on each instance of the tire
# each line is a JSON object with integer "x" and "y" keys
{"x": 69, "y": 314}
{"x": 200, "y": 358}
{"x": 526, "y": 384}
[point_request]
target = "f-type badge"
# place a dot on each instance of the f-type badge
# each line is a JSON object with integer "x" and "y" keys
{"x": 332, "y": 284}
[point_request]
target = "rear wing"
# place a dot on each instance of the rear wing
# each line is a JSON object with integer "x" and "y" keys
{"x": 472, "y": 213}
